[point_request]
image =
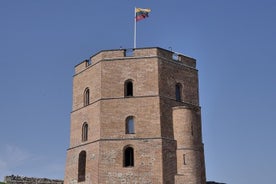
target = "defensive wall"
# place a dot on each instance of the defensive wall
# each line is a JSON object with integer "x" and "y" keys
{"x": 30, "y": 180}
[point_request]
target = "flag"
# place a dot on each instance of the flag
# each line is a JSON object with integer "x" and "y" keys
{"x": 141, "y": 13}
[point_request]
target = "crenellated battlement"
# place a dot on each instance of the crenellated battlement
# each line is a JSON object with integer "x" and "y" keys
{"x": 134, "y": 54}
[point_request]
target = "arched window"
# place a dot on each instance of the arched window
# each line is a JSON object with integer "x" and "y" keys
{"x": 128, "y": 157}
{"x": 81, "y": 166}
{"x": 178, "y": 90}
{"x": 128, "y": 88}
{"x": 86, "y": 97}
{"x": 130, "y": 125}
{"x": 84, "y": 132}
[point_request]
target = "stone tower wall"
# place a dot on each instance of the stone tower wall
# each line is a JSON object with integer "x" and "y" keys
{"x": 190, "y": 156}
{"x": 154, "y": 73}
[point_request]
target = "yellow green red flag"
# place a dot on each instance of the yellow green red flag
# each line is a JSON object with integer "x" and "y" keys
{"x": 141, "y": 13}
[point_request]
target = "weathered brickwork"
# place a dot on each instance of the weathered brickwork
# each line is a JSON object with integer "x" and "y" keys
{"x": 165, "y": 144}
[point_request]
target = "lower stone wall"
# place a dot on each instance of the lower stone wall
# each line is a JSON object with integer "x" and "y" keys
{"x": 30, "y": 180}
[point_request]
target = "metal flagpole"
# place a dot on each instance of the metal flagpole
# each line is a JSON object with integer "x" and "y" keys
{"x": 134, "y": 28}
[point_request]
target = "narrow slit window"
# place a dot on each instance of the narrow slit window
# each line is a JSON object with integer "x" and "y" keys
{"x": 84, "y": 132}
{"x": 86, "y": 97}
{"x": 184, "y": 159}
{"x": 178, "y": 89}
{"x": 81, "y": 166}
{"x": 128, "y": 88}
{"x": 130, "y": 125}
{"x": 129, "y": 157}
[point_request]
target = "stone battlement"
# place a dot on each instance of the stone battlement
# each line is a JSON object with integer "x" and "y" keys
{"x": 30, "y": 180}
{"x": 135, "y": 54}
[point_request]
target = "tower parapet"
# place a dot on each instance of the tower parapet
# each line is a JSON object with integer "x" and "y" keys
{"x": 108, "y": 55}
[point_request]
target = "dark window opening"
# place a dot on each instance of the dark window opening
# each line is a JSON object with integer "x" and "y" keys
{"x": 178, "y": 89}
{"x": 84, "y": 132}
{"x": 184, "y": 159}
{"x": 88, "y": 62}
{"x": 86, "y": 96}
{"x": 128, "y": 88}
{"x": 81, "y": 166}
{"x": 130, "y": 125}
{"x": 128, "y": 157}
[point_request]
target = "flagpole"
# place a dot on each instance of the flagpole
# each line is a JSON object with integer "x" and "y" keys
{"x": 134, "y": 28}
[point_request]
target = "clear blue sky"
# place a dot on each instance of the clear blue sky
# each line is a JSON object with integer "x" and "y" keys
{"x": 234, "y": 43}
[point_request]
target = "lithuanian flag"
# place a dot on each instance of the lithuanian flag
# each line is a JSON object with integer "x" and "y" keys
{"x": 141, "y": 13}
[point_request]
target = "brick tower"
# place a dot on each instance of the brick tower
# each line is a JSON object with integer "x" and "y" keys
{"x": 136, "y": 119}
